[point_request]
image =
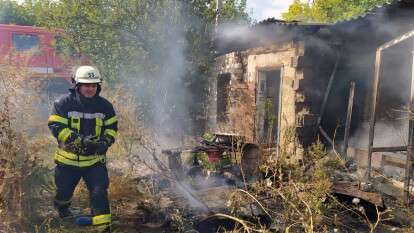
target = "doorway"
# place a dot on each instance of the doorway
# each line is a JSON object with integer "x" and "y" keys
{"x": 268, "y": 104}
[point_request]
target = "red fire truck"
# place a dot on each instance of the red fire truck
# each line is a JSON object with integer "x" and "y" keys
{"x": 41, "y": 51}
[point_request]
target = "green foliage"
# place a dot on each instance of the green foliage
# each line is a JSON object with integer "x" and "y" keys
{"x": 13, "y": 13}
{"x": 235, "y": 11}
{"x": 124, "y": 37}
{"x": 138, "y": 42}
{"x": 203, "y": 160}
{"x": 328, "y": 11}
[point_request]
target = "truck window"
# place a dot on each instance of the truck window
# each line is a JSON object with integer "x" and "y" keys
{"x": 63, "y": 48}
{"x": 23, "y": 42}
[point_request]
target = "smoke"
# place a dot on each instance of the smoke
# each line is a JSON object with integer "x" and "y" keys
{"x": 387, "y": 134}
{"x": 205, "y": 185}
{"x": 161, "y": 89}
{"x": 159, "y": 80}
{"x": 236, "y": 36}
{"x": 188, "y": 193}
{"x": 359, "y": 40}
{"x": 230, "y": 32}
{"x": 170, "y": 107}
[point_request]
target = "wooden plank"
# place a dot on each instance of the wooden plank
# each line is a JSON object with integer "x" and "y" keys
{"x": 390, "y": 187}
{"x": 353, "y": 190}
{"x": 390, "y": 149}
{"x": 328, "y": 89}
{"x": 326, "y": 136}
{"x": 397, "y": 40}
{"x": 348, "y": 118}
{"x": 375, "y": 96}
{"x": 388, "y": 160}
{"x": 410, "y": 154}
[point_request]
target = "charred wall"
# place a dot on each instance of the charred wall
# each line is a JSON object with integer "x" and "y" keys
{"x": 304, "y": 70}
{"x": 359, "y": 40}
{"x": 317, "y": 65}
{"x": 231, "y": 111}
{"x": 305, "y": 56}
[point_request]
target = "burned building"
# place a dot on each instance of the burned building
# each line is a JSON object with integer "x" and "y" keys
{"x": 266, "y": 85}
{"x": 278, "y": 78}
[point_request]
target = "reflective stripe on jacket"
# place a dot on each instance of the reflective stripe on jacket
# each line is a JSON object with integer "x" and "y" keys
{"x": 74, "y": 117}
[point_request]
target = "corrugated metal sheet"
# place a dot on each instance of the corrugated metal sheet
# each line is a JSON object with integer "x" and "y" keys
{"x": 373, "y": 11}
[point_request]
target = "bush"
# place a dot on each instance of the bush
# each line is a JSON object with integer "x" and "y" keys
{"x": 22, "y": 173}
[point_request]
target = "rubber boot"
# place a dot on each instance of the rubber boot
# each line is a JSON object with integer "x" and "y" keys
{"x": 83, "y": 221}
{"x": 87, "y": 221}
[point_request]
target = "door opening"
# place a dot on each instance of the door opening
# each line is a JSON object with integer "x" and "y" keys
{"x": 268, "y": 106}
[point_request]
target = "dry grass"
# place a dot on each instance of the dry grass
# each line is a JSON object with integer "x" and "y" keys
{"x": 26, "y": 185}
{"x": 297, "y": 197}
{"x": 19, "y": 146}
{"x": 292, "y": 195}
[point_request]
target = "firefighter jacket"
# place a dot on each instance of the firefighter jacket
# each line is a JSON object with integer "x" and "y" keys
{"x": 73, "y": 118}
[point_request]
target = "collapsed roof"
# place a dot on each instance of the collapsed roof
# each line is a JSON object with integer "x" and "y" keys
{"x": 269, "y": 31}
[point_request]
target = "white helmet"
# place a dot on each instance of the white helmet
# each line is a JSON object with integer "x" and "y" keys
{"x": 87, "y": 74}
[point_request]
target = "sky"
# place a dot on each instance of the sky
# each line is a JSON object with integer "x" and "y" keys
{"x": 263, "y": 9}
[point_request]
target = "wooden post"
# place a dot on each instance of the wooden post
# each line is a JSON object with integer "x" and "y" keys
{"x": 348, "y": 118}
{"x": 372, "y": 119}
{"x": 328, "y": 89}
{"x": 409, "y": 165}
{"x": 326, "y": 136}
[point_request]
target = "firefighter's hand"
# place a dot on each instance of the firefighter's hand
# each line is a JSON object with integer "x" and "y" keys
{"x": 94, "y": 145}
{"x": 74, "y": 143}
{"x": 103, "y": 146}
{"x": 90, "y": 144}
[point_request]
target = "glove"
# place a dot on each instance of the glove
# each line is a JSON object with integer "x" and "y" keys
{"x": 94, "y": 145}
{"x": 73, "y": 143}
{"x": 102, "y": 146}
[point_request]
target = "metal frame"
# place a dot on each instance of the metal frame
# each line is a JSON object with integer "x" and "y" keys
{"x": 372, "y": 121}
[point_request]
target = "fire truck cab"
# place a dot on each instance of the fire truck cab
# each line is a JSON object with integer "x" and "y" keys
{"x": 39, "y": 50}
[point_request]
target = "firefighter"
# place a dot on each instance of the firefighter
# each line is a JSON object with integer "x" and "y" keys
{"x": 85, "y": 126}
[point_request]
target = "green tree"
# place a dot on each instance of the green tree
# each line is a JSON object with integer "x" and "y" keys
{"x": 328, "y": 11}
{"x": 144, "y": 42}
{"x": 13, "y": 13}
{"x": 114, "y": 33}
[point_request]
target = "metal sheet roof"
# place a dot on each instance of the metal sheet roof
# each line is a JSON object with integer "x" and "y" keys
{"x": 373, "y": 11}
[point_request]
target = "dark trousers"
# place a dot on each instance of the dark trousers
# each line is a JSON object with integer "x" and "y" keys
{"x": 97, "y": 182}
